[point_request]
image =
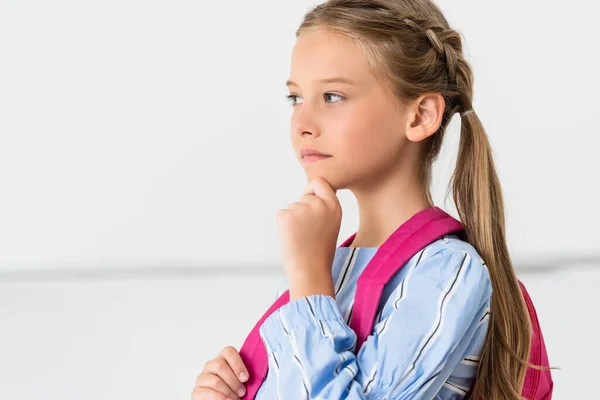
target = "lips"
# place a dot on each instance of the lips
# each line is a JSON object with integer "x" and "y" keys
{"x": 307, "y": 151}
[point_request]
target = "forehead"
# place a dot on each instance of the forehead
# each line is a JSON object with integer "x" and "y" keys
{"x": 321, "y": 54}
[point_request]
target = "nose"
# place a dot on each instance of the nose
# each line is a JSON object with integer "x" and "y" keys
{"x": 304, "y": 121}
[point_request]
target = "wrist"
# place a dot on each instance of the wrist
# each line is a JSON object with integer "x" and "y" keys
{"x": 309, "y": 285}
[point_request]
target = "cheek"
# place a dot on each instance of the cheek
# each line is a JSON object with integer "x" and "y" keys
{"x": 364, "y": 139}
{"x": 367, "y": 138}
{"x": 360, "y": 152}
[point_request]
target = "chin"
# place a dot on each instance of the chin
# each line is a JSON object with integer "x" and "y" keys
{"x": 336, "y": 182}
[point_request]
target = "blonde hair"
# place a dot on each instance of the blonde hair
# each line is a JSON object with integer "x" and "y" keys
{"x": 410, "y": 46}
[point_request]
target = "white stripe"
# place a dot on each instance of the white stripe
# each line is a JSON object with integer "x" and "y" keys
{"x": 368, "y": 381}
{"x": 298, "y": 363}
{"x": 402, "y": 290}
{"x": 350, "y": 370}
{"x": 337, "y": 367}
{"x": 461, "y": 387}
{"x": 470, "y": 363}
{"x": 287, "y": 331}
{"x": 295, "y": 351}
{"x": 378, "y": 317}
{"x": 401, "y": 293}
{"x": 436, "y": 329}
{"x": 348, "y": 312}
{"x": 431, "y": 380}
{"x": 276, "y": 369}
{"x": 348, "y": 270}
{"x": 416, "y": 261}
{"x": 345, "y": 265}
{"x": 486, "y": 317}
{"x": 471, "y": 360}
{"x": 454, "y": 389}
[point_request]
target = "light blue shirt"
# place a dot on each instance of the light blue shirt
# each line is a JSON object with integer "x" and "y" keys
{"x": 428, "y": 334}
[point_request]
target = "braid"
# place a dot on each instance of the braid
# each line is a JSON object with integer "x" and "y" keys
{"x": 444, "y": 42}
{"x": 382, "y": 17}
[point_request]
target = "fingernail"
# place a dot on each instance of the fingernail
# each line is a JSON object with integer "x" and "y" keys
{"x": 243, "y": 376}
{"x": 242, "y": 392}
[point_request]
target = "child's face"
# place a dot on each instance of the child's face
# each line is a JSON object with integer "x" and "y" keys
{"x": 363, "y": 129}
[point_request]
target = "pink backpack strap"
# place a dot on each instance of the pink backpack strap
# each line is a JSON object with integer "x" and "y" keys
{"x": 422, "y": 229}
{"x": 254, "y": 354}
{"x": 538, "y": 384}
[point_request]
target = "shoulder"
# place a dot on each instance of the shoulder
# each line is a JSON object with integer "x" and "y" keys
{"x": 446, "y": 279}
{"x": 452, "y": 247}
{"x": 449, "y": 261}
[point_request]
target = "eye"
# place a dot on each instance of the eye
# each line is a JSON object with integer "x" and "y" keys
{"x": 333, "y": 94}
{"x": 292, "y": 98}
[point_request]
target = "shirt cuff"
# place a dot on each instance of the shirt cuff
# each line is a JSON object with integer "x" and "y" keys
{"x": 317, "y": 313}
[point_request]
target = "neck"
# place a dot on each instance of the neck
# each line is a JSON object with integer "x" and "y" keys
{"x": 386, "y": 204}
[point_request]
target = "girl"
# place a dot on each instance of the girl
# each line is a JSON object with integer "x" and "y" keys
{"x": 373, "y": 86}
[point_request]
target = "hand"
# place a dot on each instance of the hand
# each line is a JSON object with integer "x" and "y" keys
{"x": 222, "y": 377}
{"x": 308, "y": 232}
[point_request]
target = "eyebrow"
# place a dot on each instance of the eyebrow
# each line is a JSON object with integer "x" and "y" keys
{"x": 335, "y": 79}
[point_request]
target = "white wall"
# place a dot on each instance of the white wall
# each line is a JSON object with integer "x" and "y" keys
{"x": 129, "y": 129}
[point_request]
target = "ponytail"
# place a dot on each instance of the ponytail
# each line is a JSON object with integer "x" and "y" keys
{"x": 478, "y": 198}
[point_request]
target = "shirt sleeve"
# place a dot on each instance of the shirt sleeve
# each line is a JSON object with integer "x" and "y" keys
{"x": 425, "y": 325}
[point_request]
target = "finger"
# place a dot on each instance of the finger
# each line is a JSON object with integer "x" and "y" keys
{"x": 311, "y": 200}
{"x": 211, "y": 381}
{"x": 202, "y": 393}
{"x": 320, "y": 187}
{"x": 220, "y": 367}
{"x": 295, "y": 205}
{"x": 236, "y": 363}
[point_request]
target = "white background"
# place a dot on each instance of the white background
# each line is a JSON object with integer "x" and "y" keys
{"x": 144, "y": 151}
{"x": 155, "y": 134}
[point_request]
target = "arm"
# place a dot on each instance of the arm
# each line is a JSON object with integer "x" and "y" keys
{"x": 425, "y": 325}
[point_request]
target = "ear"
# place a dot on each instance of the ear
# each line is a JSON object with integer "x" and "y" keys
{"x": 424, "y": 116}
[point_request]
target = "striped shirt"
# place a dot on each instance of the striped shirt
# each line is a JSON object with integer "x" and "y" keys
{"x": 428, "y": 333}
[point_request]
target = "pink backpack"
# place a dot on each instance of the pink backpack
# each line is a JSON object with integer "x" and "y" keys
{"x": 419, "y": 231}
